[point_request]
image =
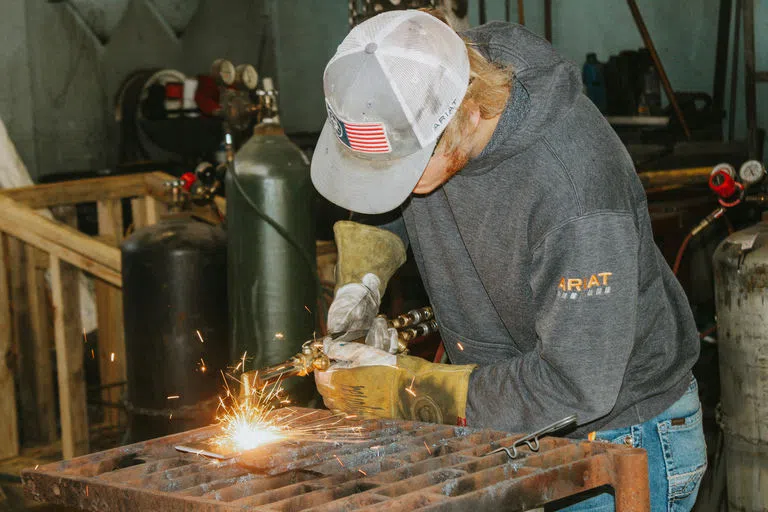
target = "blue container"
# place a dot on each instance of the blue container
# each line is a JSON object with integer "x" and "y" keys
{"x": 594, "y": 82}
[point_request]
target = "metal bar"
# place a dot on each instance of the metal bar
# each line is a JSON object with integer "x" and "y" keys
{"x": 721, "y": 54}
{"x": 734, "y": 69}
{"x": 507, "y": 10}
{"x": 692, "y": 176}
{"x": 750, "y": 88}
{"x": 483, "y": 14}
{"x": 521, "y": 12}
{"x": 548, "y": 20}
{"x": 631, "y": 484}
{"x": 659, "y": 66}
{"x": 638, "y": 120}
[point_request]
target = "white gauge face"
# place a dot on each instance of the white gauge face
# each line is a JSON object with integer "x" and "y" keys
{"x": 728, "y": 168}
{"x": 225, "y": 71}
{"x": 248, "y": 75}
{"x": 751, "y": 172}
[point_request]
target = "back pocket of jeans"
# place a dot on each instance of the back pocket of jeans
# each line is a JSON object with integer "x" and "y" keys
{"x": 685, "y": 453}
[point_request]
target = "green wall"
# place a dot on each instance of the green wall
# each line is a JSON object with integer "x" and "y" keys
{"x": 684, "y": 31}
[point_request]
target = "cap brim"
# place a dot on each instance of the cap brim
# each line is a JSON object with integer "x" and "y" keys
{"x": 360, "y": 185}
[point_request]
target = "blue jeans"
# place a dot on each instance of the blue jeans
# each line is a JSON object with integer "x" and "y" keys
{"x": 677, "y": 456}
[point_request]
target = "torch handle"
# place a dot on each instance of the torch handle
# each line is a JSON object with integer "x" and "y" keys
{"x": 415, "y": 323}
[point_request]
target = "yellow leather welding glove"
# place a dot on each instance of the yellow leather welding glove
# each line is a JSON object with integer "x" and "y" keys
{"x": 367, "y": 258}
{"x": 371, "y": 383}
{"x": 365, "y": 250}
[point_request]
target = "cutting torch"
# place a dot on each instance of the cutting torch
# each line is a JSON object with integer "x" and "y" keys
{"x": 410, "y": 325}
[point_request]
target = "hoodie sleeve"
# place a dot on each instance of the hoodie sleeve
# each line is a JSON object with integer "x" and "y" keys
{"x": 584, "y": 281}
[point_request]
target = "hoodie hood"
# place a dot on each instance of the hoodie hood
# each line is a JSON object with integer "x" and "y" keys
{"x": 544, "y": 90}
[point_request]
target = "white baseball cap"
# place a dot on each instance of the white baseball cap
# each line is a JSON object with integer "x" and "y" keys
{"x": 390, "y": 90}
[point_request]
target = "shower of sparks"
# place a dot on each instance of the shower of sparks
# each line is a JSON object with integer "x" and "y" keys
{"x": 86, "y": 491}
{"x": 37, "y": 466}
{"x": 338, "y": 460}
{"x": 461, "y": 347}
{"x": 170, "y": 417}
{"x": 200, "y": 336}
{"x": 279, "y": 335}
{"x": 203, "y": 366}
{"x": 112, "y": 357}
{"x": 93, "y": 355}
{"x": 85, "y": 338}
{"x": 363, "y": 472}
{"x": 308, "y": 310}
{"x": 257, "y": 417}
{"x": 409, "y": 389}
{"x": 427, "y": 447}
{"x": 172, "y": 397}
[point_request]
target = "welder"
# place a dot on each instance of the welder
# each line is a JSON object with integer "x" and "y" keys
{"x": 531, "y": 232}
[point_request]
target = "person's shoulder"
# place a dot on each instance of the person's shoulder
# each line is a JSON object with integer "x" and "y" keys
{"x": 596, "y": 161}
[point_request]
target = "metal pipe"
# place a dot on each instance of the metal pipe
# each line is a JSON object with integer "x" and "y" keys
{"x": 521, "y": 12}
{"x": 734, "y": 69}
{"x": 692, "y": 176}
{"x": 721, "y": 54}
{"x": 659, "y": 66}
{"x": 548, "y": 20}
{"x": 750, "y": 87}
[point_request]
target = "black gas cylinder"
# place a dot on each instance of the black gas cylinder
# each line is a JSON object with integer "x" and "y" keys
{"x": 175, "y": 312}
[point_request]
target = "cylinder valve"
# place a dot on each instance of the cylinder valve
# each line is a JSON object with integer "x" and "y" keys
{"x": 722, "y": 181}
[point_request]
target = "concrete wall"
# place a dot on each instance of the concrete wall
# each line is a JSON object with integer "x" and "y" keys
{"x": 59, "y": 84}
{"x": 57, "y": 92}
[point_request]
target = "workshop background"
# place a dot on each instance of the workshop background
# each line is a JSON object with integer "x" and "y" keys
{"x": 73, "y": 100}
{"x": 56, "y": 100}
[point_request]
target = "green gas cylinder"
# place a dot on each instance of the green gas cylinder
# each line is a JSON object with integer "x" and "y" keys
{"x": 271, "y": 261}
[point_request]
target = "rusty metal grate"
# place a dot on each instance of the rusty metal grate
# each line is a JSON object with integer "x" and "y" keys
{"x": 398, "y": 466}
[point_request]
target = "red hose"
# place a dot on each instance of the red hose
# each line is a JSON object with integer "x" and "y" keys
{"x": 440, "y": 352}
{"x": 680, "y": 252}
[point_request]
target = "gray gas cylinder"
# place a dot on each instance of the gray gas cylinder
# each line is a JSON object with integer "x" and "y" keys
{"x": 272, "y": 284}
{"x": 741, "y": 287}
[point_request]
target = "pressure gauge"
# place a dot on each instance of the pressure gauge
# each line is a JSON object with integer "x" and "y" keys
{"x": 247, "y": 76}
{"x": 751, "y": 172}
{"x": 224, "y": 71}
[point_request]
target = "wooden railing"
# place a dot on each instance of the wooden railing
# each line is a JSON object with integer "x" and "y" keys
{"x": 36, "y": 318}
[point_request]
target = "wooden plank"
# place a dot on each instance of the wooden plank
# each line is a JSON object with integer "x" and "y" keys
{"x": 82, "y": 262}
{"x": 23, "y": 341}
{"x": 55, "y": 237}
{"x": 42, "y": 344}
{"x": 110, "y": 218}
{"x": 69, "y": 358}
{"x": 9, "y": 434}
{"x": 154, "y": 183}
{"x": 109, "y": 311}
{"x": 79, "y": 191}
{"x": 111, "y": 344}
{"x": 155, "y": 209}
{"x": 139, "y": 212}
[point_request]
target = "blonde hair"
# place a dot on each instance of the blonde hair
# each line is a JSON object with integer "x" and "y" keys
{"x": 489, "y": 86}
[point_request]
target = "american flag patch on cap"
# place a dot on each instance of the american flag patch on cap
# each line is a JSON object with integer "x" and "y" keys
{"x": 362, "y": 137}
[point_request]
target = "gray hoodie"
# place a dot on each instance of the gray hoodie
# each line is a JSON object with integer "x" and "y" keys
{"x": 539, "y": 260}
